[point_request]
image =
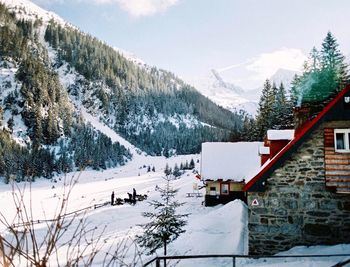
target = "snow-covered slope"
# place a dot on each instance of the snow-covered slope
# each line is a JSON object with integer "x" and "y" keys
{"x": 94, "y": 121}
{"x": 9, "y": 88}
{"x": 27, "y": 10}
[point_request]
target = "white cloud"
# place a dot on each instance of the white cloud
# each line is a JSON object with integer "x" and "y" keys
{"x": 252, "y": 72}
{"x": 136, "y": 8}
{"x": 266, "y": 64}
{"x": 139, "y": 8}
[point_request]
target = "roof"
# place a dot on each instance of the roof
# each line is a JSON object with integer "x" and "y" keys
{"x": 280, "y": 134}
{"x": 256, "y": 183}
{"x": 229, "y": 161}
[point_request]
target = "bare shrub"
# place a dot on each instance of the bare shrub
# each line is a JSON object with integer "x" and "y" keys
{"x": 66, "y": 239}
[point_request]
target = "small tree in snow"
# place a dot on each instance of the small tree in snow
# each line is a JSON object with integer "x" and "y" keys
{"x": 167, "y": 170}
{"x": 176, "y": 171}
{"x": 165, "y": 224}
{"x": 192, "y": 164}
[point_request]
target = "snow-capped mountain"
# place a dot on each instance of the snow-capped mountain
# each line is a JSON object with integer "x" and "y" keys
{"x": 233, "y": 97}
{"x": 27, "y": 10}
{"x": 283, "y": 76}
{"x": 225, "y": 94}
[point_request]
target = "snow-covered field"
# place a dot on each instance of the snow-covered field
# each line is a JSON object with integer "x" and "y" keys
{"x": 210, "y": 230}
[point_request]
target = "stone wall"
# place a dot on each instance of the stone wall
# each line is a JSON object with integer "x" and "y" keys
{"x": 296, "y": 208}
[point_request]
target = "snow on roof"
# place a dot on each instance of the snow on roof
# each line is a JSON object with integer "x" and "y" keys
{"x": 280, "y": 134}
{"x": 264, "y": 150}
{"x": 234, "y": 161}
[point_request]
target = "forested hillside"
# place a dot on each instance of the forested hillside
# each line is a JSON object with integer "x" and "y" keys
{"x": 40, "y": 130}
{"x": 152, "y": 108}
{"x": 49, "y": 72}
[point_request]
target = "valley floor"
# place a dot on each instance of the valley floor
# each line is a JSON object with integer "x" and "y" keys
{"x": 210, "y": 230}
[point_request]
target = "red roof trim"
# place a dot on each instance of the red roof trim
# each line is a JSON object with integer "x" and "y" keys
{"x": 305, "y": 129}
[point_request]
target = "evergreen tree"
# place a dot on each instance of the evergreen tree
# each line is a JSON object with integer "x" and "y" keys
{"x": 275, "y": 108}
{"x": 167, "y": 170}
{"x": 264, "y": 116}
{"x": 10, "y": 124}
{"x": 186, "y": 167}
{"x": 324, "y": 74}
{"x": 1, "y": 114}
{"x": 283, "y": 110}
{"x": 192, "y": 164}
{"x": 333, "y": 60}
{"x": 176, "y": 171}
{"x": 314, "y": 63}
{"x": 52, "y": 132}
{"x": 165, "y": 224}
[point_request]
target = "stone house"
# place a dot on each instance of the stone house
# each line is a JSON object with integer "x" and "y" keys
{"x": 301, "y": 195}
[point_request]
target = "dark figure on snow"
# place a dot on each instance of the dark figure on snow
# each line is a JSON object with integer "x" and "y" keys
{"x": 133, "y": 194}
{"x": 112, "y": 198}
{"x": 130, "y": 196}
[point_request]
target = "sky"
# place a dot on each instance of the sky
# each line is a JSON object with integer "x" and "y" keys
{"x": 246, "y": 40}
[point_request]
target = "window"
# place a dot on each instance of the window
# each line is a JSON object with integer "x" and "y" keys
{"x": 342, "y": 140}
{"x": 225, "y": 189}
{"x": 212, "y": 191}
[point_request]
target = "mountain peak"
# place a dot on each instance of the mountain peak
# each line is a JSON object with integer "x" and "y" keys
{"x": 223, "y": 93}
{"x": 284, "y": 76}
{"x": 27, "y": 10}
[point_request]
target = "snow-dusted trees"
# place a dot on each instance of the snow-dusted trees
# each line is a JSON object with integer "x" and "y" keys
{"x": 325, "y": 73}
{"x": 275, "y": 110}
{"x": 192, "y": 164}
{"x": 151, "y": 107}
{"x": 165, "y": 224}
{"x": 265, "y": 109}
{"x": 1, "y": 115}
{"x": 177, "y": 172}
{"x": 167, "y": 170}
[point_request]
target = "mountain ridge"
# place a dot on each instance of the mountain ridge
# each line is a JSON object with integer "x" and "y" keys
{"x": 49, "y": 79}
{"x": 233, "y": 97}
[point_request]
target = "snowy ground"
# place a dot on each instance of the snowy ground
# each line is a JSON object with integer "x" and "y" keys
{"x": 210, "y": 230}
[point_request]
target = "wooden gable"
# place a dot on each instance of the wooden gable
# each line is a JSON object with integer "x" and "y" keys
{"x": 337, "y": 165}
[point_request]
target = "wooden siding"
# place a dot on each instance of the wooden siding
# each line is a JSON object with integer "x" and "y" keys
{"x": 234, "y": 186}
{"x": 337, "y": 165}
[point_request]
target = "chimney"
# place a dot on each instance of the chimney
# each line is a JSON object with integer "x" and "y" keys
{"x": 278, "y": 139}
{"x": 305, "y": 113}
{"x": 301, "y": 116}
{"x": 264, "y": 152}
